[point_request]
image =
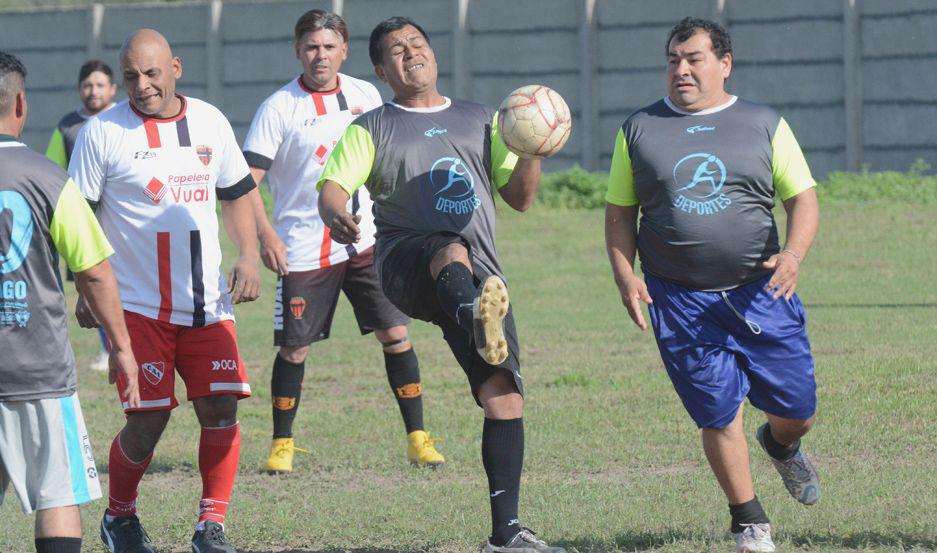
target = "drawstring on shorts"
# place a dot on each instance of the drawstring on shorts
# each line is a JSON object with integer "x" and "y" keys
{"x": 752, "y": 325}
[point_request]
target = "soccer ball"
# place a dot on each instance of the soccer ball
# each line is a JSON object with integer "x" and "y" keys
{"x": 534, "y": 122}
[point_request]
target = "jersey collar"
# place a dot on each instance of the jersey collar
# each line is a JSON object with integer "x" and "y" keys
{"x": 708, "y": 111}
{"x": 434, "y": 109}
{"x": 336, "y": 90}
{"x": 172, "y": 119}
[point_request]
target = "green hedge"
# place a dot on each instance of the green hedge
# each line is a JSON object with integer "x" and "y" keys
{"x": 577, "y": 188}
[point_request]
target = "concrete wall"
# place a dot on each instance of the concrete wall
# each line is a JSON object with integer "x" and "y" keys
{"x": 855, "y": 78}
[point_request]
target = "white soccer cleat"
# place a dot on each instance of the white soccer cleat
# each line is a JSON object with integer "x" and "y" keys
{"x": 754, "y": 538}
{"x": 488, "y": 313}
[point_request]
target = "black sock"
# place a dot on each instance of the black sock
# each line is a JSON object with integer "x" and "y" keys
{"x": 403, "y": 374}
{"x": 747, "y": 513}
{"x": 779, "y": 451}
{"x": 503, "y": 457}
{"x": 455, "y": 288}
{"x": 58, "y": 545}
{"x": 286, "y": 387}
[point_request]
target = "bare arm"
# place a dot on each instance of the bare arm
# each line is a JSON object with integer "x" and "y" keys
{"x": 272, "y": 248}
{"x": 98, "y": 287}
{"x": 343, "y": 226}
{"x": 803, "y": 221}
{"x": 621, "y": 232}
{"x": 238, "y": 217}
{"x": 522, "y": 187}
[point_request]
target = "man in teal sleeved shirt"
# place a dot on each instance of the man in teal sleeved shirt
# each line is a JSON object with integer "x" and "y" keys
{"x": 703, "y": 167}
{"x": 42, "y": 214}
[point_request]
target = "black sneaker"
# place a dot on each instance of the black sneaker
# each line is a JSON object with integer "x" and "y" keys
{"x": 125, "y": 535}
{"x": 524, "y": 541}
{"x": 211, "y": 539}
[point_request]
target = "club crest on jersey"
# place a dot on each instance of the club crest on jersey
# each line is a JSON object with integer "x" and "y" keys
{"x": 204, "y": 154}
{"x": 454, "y": 185}
{"x": 297, "y": 307}
{"x": 699, "y": 179}
{"x": 153, "y": 372}
{"x": 155, "y": 190}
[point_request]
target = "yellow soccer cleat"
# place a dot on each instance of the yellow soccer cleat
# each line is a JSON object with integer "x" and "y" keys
{"x": 280, "y": 459}
{"x": 421, "y": 451}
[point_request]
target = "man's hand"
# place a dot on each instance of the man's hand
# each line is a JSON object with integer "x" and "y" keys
{"x": 86, "y": 318}
{"x": 344, "y": 228}
{"x": 244, "y": 280}
{"x": 786, "y": 271}
{"x": 633, "y": 291}
{"x": 273, "y": 253}
{"x": 123, "y": 362}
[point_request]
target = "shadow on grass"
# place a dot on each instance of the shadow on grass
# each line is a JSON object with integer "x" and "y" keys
{"x": 647, "y": 541}
{"x": 334, "y": 550}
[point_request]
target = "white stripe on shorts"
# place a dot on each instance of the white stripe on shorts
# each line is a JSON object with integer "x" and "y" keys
{"x": 148, "y": 403}
{"x": 229, "y": 387}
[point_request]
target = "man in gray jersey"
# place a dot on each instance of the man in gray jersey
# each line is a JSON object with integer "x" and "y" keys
{"x": 43, "y": 215}
{"x": 704, "y": 166}
{"x": 430, "y": 164}
{"x": 96, "y": 89}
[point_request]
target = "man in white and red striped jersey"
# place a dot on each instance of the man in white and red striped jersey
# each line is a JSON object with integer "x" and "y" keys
{"x": 154, "y": 165}
{"x": 289, "y": 141}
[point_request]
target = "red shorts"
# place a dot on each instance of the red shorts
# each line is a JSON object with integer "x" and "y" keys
{"x": 206, "y": 357}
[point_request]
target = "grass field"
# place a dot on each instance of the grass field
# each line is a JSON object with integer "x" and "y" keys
{"x": 613, "y": 463}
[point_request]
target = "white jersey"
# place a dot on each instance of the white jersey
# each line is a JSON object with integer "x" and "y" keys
{"x": 156, "y": 181}
{"x": 291, "y": 137}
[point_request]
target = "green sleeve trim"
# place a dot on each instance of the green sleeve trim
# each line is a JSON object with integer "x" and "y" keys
{"x": 620, "y": 176}
{"x": 503, "y": 160}
{"x": 789, "y": 168}
{"x": 351, "y": 160}
{"x": 56, "y": 149}
{"x": 76, "y": 233}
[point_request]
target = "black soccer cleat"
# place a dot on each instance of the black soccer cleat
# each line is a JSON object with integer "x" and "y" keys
{"x": 125, "y": 535}
{"x": 211, "y": 539}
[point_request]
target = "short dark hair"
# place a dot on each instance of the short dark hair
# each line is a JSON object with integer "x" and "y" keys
{"x": 383, "y": 29}
{"x": 318, "y": 20}
{"x": 689, "y": 26}
{"x": 12, "y": 80}
{"x": 91, "y": 66}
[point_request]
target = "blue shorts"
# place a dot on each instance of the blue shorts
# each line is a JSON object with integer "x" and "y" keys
{"x": 719, "y": 347}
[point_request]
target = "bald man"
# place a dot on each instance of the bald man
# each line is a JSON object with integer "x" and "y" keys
{"x": 154, "y": 166}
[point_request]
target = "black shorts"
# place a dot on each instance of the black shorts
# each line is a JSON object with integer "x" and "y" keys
{"x": 408, "y": 284}
{"x": 305, "y": 301}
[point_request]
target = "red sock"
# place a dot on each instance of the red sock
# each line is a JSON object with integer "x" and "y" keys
{"x": 218, "y": 452}
{"x": 125, "y": 476}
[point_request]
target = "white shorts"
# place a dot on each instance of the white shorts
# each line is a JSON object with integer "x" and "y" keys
{"x": 46, "y": 454}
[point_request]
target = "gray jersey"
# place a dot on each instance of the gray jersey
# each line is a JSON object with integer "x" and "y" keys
{"x": 69, "y": 127}
{"x": 706, "y": 184}
{"x": 41, "y": 212}
{"x": 431, "y": 171}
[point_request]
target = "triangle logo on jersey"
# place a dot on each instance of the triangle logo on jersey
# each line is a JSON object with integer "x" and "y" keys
{"x": 153, "y": 372}
{"x": 155, "y": 190}
{"x": 204, "y": 154}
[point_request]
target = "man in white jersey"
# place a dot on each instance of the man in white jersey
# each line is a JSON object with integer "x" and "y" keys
{"x": 291, "y": 136}
{"x": 154, "y": 165}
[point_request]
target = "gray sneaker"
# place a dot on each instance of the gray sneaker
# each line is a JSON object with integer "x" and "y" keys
{"x": 754, "y": 538}
{"x": 125, "y": 535}
{"x": 488, "y": 313}
{"x": 798, "y": 473}
{"x": 211, "y": 539}
{"x": 524, "y": 541}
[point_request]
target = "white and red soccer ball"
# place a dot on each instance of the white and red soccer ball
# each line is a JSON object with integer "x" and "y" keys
{"x": 534, "y": 122}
